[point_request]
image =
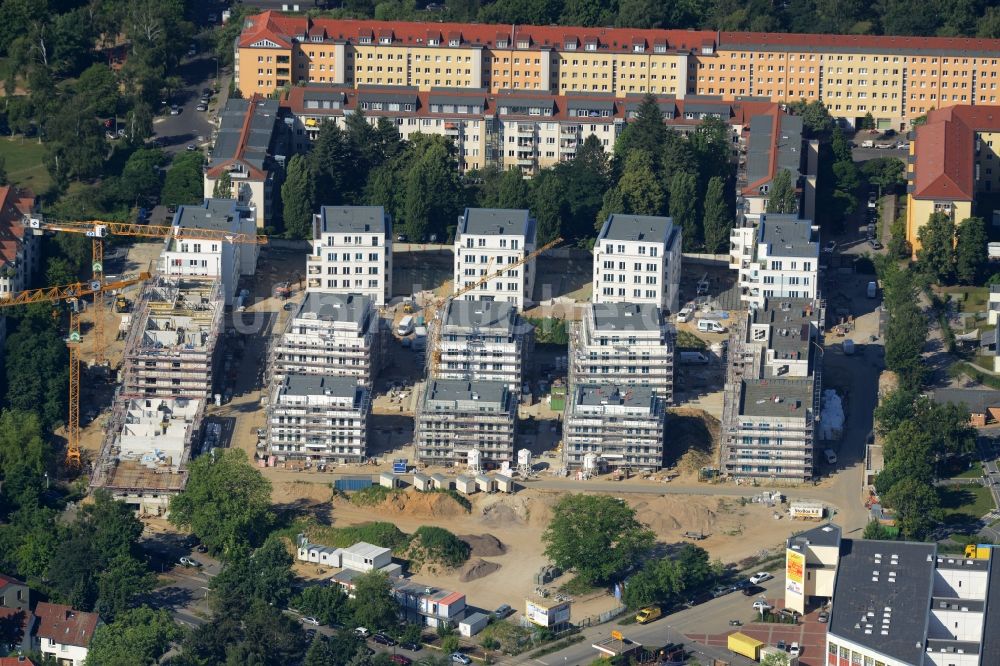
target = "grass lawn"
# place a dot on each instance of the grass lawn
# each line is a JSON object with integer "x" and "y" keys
{"x": 964, "y": 503}
{"x": 973, "y": 472}
{"x": 969, "y": 299}
{"x": 24, "y": 163}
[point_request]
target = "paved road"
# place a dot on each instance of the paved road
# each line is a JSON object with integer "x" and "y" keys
{"x": 175, "y": 133}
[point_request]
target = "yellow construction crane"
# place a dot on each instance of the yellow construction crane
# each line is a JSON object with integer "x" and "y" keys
{"x": 434, "y": 340}
{"x": 72, "y": 293}
{"x": 97, "y": 230}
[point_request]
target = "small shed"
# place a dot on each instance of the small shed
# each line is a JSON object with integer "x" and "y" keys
{"x": 486, "y": 483}
{"x": 473, "y": 624}
{"x": 388, "y": 480}
{"x": 505, "y": 484}
{"x": 393, "y": 571}
{"x": 422, "y": 482}
{"x": 440, "y": 482}
{"x": 465, "y": 484}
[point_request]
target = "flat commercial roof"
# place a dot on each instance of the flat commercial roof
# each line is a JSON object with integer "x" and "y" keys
{"x": 355, "y": 219}
{"x": 339, "y": 387}
{"x": 647, "y": 228}
{"x": 612, "y": 317}
{"x": 497, "y": 222}
{"x": 485, "y": 316}
{"x": 611, "y": 394}
{"x": 456, "y": 393}
{"x": 336, "y": 307}
{"x": 217, "y": 214}
{"x": 788, "y": 398}
{"x": 368, "y": 550}
{"x": 788, "y": 236}
{"x": 883, "y": 605}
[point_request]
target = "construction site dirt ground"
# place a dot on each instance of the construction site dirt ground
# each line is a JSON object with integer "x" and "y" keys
{"x": 733, "y": 532}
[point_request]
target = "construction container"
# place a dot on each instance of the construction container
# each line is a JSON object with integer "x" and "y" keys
{"x": 440, "y": 482}
{"x": 465, "y": 484}
{"x": 504, "y": 483}
{"x": 399, "y": 466}
{"x": 388, "y": 480}
{"x": 742, "y": 644}
{"x": 486, "y": 484}
{"x": 349, "y": 483}
{"x": 422, "y": 482}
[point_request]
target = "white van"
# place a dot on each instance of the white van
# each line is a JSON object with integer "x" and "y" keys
{"x": 710, "y": 326}
{"x": 405, "y": 326}
{"x": 685, "y": 315}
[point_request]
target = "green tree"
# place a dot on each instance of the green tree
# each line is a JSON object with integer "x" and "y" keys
{"x": 781, "y": 196}
{"x": 774, "y": 659}
{"x": 183, "y": 184}
{"x": 875, "y": 531}
{"x": 596, "y": 535}
{"x": 373, "y": 605}
{"x": 718, "y": 219}
{"x": 226, "y": 503}
{"x": 638, "y": 188}
{"x": 264, "y": 575}
{"x": 36, "y": 363}
{"x": 223, "y": 188}
{"x": 584, "y": 180}
{"x": 326, "y": 603}
{"x": 937, "y": 253}
{"x": 4, "y": 179}
{"x": 449, "y": 644}
{"x": 887, "y": 173}
{"x": 137, "y": 637}
{"x": 119, "y": 583}
{"x": 815, "y": 118}
{"x": 684, "y": 208}
{"x": 549, "y": 204}
{"x": 98, "y": 90}
{"x": 514, "y": 191}
{"x": 433, "y": 194}
{"x": 646, "y": 132}
{"x": 140, "y": 179}
{"x": 917, "y": 507}
{"x": 970, "y": 250}
{"x": 298, "y": 198}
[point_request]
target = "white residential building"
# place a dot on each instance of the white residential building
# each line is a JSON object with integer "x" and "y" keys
{"x": 637, "y": 259}
{"x": 322, "y": 419}
{"x": 626, "y": 343}
{"x": 352, "y": 252}
{"x": 483, "y": 341}
{"x": 780, "y": 338}
{"x": 778, "y": 257}
{"x": 64, "y": 634}
{"x": 335, "y": 335}
{"x": 212, "y": 258}
{"x": 488, "y": 239}
{"x": 611, "y": 425}
{"x": 457, "y": 417}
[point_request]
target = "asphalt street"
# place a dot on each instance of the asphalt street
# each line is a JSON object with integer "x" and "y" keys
{"x": 191, "y": 127}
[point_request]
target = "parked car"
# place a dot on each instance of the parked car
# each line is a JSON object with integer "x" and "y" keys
{"x": 823, "y": 617}
{"x": 201, "y": 548}
{"x": 752, "y": 590}
{"x": 401, "y": 659}
{"x": 310, "y": 620}
{"x": 382, "y": 639}
{"x": 401, "y": 238}
{"x": 648, "y": 614}
{"x": 361, "y": 631}
{"x": 459, "y": 658}
{"x": 685, "y": 315}
{"x": 201, "y": 107}
{"x": 191, "y": 147}
{"x": 175, "y": 110}
{"x": 795, "y": 650}
{"x": 782, "y": 645}
{"x": 412, "y": 647}
{"x": 188, "y": 562}
{"x": 875, "y": 245}
{"x": 830, "y": 246}
{"x": 503, "y": 610}
{"x": 762, "y": 605}
{"x": 760, "y": 577}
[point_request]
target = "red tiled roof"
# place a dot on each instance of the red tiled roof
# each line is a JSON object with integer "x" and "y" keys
{"x": 64, "y": 625}
{"x": 944, "y": 150}
{"x": 16, "y": 661}
{"x": 811, "y": 42}
{"x": 451, "y": 598}
{"x": 6, "y": 580}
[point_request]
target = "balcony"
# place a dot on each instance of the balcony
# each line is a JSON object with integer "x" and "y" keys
{"x": 572, "y": 130}
{"x": 525, "y": 129}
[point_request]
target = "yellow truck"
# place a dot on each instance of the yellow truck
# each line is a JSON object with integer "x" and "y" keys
{"x": 745, "y": 645}
{"x": 648, "y": 614}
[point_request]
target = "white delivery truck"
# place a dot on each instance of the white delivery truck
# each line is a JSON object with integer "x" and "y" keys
{"x": 405, "y": 326}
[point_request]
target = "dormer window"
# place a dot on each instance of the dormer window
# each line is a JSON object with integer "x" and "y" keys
{"x": 638, "y": 47}
{"x": 365, "y": 39}
{"x": 590, "y": 46}
{"x": 660, "y": 48}
{"x": 502, "y": 43}
{"x": 523, "y": 43}
{"x": 433, "y": 41}
{"x": 454, "y": 42}
{"x": 316, "y": 38}
{"x": 385, "y": 40}
{"x": 570, "y": 44}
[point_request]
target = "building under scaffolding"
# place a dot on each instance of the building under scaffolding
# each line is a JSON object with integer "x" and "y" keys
{"x": 144, "y": 455}
{"x": 608, "y": 425}
{"x": 172, "y": 339}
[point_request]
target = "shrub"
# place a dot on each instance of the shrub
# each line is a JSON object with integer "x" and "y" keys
{"x": 440, "y": 545}
{"x": 371, "y": 496}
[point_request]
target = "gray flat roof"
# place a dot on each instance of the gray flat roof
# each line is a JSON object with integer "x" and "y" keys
{"x": 217, "y": 214}
{"x": 450, "y": 392}
{"x": 612, "y": 394}
{"x": 258, "y": 136}
{"x": 648, "y": 228}
{"x": 824, "y": 535}
{"x": 862, "y": 598}
{"x": 788, "y": 236}
{"x": 611, "y": 317}
{"x": 990, "y": 649}
{"x": 497, "y": 222}
{"x": 484, "y": 316}
{"x": 786, "y": 147}
{"x": 977, "y": 400}
{"x": 355, "y": 219}
{"x": 336, "y": 307}
{"x": 789, "y": 398}
{"x": 340, "y": 387}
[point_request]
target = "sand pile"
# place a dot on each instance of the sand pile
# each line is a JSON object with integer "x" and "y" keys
{"x": 483, "y": 545}
{"x": 478, "y": 568}
{"x": 423, "y": 505}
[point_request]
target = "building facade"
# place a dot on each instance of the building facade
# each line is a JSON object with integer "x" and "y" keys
{"x": 64, "y": 634}
{"x": 775, "y": 256}
{"x": 319, "y": 419}
{"x": 482, "y": 341}
{"x": 637, "y": 259}
{"x": 616, "y": 426}
{"x": 212, "y": 259}
{"x": 352, "y": 252}
{"x": 462, "y": 422}
{"x": 333, "y": 335}
{"x": 895, "y": 79}
{"x": 626, "y": 343}
{"x": 487, "y": 239}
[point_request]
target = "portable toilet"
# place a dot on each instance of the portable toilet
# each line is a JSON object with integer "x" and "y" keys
{"x": 440, "y": 482}
{"x": 388, "y": 480}
{"x": 422, "y": 482}
{"x": 504, "y": 483}
{"x": 486, "y": 483}
{"x": 465, "y": 484}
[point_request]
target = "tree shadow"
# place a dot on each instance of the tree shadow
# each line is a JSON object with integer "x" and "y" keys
{"x": 686, "y": 433}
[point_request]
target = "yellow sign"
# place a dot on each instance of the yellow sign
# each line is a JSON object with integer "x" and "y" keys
{"x": 795, "y": 565}
{"x": 617, "y": 635}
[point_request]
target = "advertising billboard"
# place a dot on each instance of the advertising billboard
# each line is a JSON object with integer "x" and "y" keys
{"x": 546, "y": 616}
{"x": 795, "y": 572}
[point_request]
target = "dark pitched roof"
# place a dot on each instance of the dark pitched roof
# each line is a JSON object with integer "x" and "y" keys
{"x": 977, "y": 400}
{"x": 64, "y": 625}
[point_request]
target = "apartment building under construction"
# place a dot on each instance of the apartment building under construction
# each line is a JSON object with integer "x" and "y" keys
{"x": 172, "y": 339}
{"x": 614, "y": 426}
{"x": 461, "y": 422}
{"x": 144, "y": 456}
